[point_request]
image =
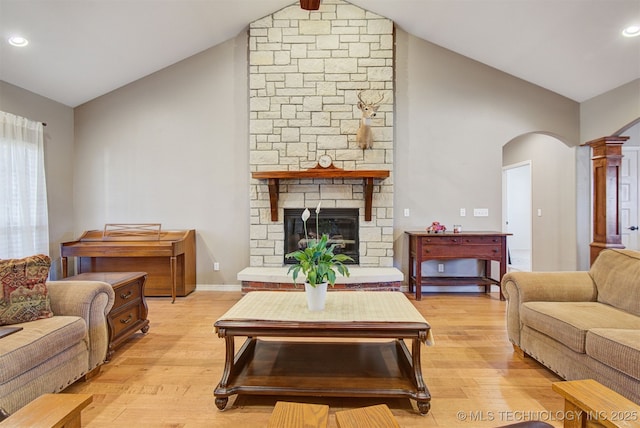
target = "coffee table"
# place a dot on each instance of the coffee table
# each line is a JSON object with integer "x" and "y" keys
{"x": 338, "y": 352}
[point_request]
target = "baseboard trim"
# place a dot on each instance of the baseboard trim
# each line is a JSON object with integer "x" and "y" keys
{"x": 218, "y": 287}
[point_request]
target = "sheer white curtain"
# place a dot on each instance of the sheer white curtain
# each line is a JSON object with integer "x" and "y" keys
{"x": 24, "y": 225}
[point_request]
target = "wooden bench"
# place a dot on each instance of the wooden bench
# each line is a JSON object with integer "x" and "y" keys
{"x": 588, "y": 403}
{"x": 50, "y": 411}
{"x": 365, "y": 417}
{"x": 299, "y": 415}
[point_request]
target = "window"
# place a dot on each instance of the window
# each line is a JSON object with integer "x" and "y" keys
{"x": 24, "y": 226}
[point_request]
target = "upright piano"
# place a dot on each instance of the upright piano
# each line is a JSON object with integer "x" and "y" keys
{"x": 168, "y": 257}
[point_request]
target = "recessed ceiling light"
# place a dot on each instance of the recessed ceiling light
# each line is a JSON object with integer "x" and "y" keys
{"x": 18, "y": 41}
{"x": 631, "y": 31}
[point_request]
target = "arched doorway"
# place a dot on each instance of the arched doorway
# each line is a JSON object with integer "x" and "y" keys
{"x": 552, "y": 201}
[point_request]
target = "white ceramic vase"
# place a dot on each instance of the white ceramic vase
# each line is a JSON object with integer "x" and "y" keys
{"x": 316, "y": 296}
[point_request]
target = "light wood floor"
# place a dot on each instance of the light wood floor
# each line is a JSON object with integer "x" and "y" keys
{"x": 166, "y": 377}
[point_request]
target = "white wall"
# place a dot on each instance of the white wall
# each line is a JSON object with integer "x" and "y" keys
{"x": 172, "y": 149}
{"x": 607, "y": 113}
{"x": 453, "y": 117}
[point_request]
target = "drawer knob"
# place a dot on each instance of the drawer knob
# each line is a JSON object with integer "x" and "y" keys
{"x": 127, "y": 320}
{"x": 126, "y": 296}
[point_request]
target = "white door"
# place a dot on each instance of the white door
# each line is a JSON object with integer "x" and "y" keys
{"x": 629, "y": 197}
{"x": 516, "y": 202}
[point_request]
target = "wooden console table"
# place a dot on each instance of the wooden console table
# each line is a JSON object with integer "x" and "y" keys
{"x": 485, "y": 246}
{"x": 274, "y": 177}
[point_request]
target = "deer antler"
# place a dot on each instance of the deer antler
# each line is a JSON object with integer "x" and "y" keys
{"x": 381, "y": 97}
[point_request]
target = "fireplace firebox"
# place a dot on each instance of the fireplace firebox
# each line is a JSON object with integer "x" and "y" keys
{"x": 340, "y": 224}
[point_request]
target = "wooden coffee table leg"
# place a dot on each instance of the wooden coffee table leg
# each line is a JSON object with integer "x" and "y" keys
{"x": 232, "y": 363}
{"x": 222, "y": 397}
{"x": 424, "y": 397}
{"x": 411, "y": 365}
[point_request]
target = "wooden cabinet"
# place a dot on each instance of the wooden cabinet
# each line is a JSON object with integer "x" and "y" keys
{"x": 486, "y": 246}
{"x": 129, "y": 311}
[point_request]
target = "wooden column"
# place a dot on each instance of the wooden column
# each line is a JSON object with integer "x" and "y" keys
{"x": 607, "y": 161}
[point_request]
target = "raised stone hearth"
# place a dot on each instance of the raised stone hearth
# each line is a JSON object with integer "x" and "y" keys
{"x": 364, "y": 279}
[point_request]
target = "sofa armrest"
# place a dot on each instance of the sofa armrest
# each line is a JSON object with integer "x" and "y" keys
{"x": 90, "y": 300}
{"x": 521, "y": 287}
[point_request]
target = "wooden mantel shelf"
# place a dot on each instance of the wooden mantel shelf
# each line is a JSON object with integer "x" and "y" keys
{"x": 274, "y": 177}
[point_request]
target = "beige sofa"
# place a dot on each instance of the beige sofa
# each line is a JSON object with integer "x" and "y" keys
{"x": 581, "y": 325}
{"x": 52, "y": 353}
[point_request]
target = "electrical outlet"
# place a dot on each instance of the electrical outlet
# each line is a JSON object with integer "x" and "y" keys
{"x": 463, "y": 212}
{"x": 216, "y": 266}
{"x": 440, "y": 267}
{"x": 481, "y": 212}
{"x": 406, "y": 212}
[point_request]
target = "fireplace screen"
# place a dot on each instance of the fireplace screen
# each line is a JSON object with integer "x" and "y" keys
{"x": 340, "y": 224}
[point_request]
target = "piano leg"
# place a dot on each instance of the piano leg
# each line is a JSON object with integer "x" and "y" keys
{"x": 174, "y": 273}
{"x": 65, "y": 273}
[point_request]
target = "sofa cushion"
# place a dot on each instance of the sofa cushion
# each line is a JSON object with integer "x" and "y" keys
{"x": 617, "y": 348}
{"x": 568, "y": 322}
{"x": 616, "y": 274}
{"x": 37, "y": 342}
{"x": 23, "y": 289}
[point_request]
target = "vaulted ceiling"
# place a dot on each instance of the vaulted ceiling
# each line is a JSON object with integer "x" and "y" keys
{"x": 81, "y": 49}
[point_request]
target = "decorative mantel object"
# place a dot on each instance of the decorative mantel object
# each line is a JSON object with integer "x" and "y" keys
{"x": 319, "y": 172}
{"x": 310, "y": 4}
{"x": 318, "y": 263}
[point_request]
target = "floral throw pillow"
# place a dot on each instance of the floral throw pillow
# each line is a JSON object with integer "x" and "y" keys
{"x": 23, "y": 289}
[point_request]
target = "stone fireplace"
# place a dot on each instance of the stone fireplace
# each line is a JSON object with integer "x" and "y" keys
{"x": 306, "y": 70}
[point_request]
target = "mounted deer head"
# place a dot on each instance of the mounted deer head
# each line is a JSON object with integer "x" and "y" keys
{"x": 364, "y": 136}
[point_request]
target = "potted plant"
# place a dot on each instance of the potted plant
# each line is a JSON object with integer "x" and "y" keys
{"x": 318, "y": 263}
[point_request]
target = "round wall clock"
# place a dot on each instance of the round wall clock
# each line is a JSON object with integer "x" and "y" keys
{"x": 325, "y": 161}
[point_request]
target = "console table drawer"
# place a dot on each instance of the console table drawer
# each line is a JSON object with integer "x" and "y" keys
{"x": 461, "y": 240}
{"x": 125, "y": 318}
{"x": 127, "y": 294}
{"x": 461, "y": 251}
{"x": 480, "y": 240}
